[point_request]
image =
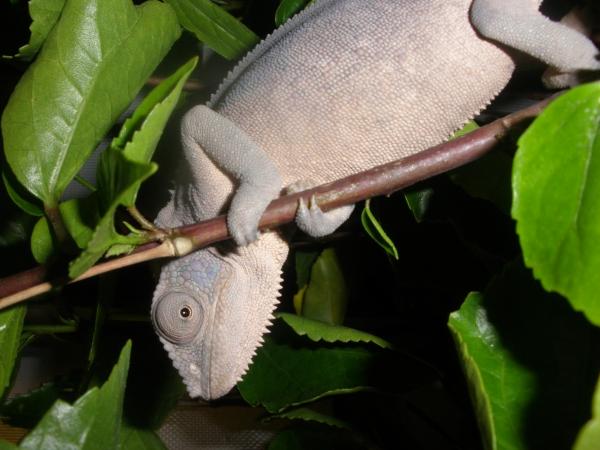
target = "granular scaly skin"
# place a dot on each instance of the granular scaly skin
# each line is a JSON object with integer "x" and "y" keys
{"x": 342, "y": 87}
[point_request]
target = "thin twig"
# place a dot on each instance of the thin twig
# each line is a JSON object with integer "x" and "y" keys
{"x": 381, "y": 180}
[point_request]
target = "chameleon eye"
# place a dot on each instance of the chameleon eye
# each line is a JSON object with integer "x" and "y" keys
{"x": 177, "y": 317}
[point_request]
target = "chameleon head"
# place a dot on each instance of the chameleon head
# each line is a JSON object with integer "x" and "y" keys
{"x": 210, "y": 312}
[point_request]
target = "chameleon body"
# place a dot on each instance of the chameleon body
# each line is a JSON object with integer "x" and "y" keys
{"x": 341, "y": 87}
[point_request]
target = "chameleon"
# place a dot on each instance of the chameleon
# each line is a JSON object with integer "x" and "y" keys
{"x": 341, "y": 87}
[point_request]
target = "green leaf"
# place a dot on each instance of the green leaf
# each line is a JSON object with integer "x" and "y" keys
{"x": 304, "y": 262}
{"x": 215, "y": 27}
{"x": 92, "y": 422}
{"x": 27, "y": 409}
{"x": 127, "y": 175}
{"x": 119, "y": 249}
{"x": 7, "y": 445}
{"x": 90, "y": 68}
{"x": 289, "y": 370}
{"x": 124, "y": 166}
{"x": 15, "y": 230}
{"x": 467, "y": 128}
{"x": 589, "y": 437}
{"x": 141, "y": 132}
{"x": 376, "y": 231}
{"x": 310, "y": 415}
{"x": 298, "y": 299}
{"x": 44, "y": 15}
{"x": 556, "y": 187}
{"x": 521, "y": 350}
{"x": 11, "y": 325}
{"x": 157, "y": 105}
{"x": 133, "y": 438}
{"x": 326, "y": 296}
{"x": 281, "y": 376}
{"x": 119, "y": 179}
{"x": 318, "y": 331}
{"x": 20, "y": 196}
{"x": 80, "y": 216}
{"x": 418, "y": 202}
{"x": 42, "y": 244}
{"x": 287, "y": 8}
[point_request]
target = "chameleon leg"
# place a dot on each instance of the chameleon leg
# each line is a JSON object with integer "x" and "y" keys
{"x": 311, "y": 219}
{"x": 581, "y": 20}
{"x": 519, "y": 24}
{"x": 235, "y": 153}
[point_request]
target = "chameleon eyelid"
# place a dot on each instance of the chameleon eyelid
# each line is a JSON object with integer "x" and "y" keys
{"x": 169, "y": 321}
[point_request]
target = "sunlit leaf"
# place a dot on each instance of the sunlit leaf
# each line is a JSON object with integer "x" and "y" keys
{"x": 141, "y": 132}
{"x": 556, "y": 187}
{"x": 215, "y": 27}
{"x": 530, "y": 361}
{"x": 44, "y": 15}
{"x": 91, "y": 66}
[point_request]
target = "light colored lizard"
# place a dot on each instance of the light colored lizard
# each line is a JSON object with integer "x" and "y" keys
{"x": 341, "y": 87}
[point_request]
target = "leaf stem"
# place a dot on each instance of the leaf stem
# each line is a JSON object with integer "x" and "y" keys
{"x": 58, "y": 226}
{"x": 85, "y": 183}
{"x": 50, "y": 329}
{"x": 140, "y": 219}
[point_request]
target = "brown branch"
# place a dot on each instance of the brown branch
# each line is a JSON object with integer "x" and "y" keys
{"x": 381, "y": 180}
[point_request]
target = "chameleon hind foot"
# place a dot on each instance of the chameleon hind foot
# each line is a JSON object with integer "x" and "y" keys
{"x": 316, "y": 223}
{"x": 311, "y": 219}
